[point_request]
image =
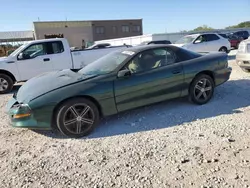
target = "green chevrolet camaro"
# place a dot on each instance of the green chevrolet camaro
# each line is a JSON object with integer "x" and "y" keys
{"x": 73, "y": 101}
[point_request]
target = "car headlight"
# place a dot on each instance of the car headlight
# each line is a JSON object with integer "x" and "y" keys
{"x": 21, "y": 111}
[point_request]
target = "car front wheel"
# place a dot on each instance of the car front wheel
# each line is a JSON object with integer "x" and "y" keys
{"x": 6, "y": 84}
{"x": 77, "y": 117}
{"x": 201, "y": 89}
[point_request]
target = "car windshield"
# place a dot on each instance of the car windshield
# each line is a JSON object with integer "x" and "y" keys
{"x": 186, "y": 40}
{"x": 105, "y": 64}
{"x": 17, "y": 50}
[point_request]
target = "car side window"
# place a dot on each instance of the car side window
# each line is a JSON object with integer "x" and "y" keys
{"x": 33, "y": 51}
{"x": 151, "y": 59}
{"x": 246, "y": 34}
{"x": 54, "y": 47}
{"x": 211, "y": 37}
{"x": 200, "y": 39}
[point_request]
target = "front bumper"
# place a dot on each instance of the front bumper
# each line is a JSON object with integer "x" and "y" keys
{"x": 14, "y": 109}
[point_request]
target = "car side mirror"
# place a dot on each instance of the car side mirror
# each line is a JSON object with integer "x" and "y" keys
{"x": 23, "y": 56}
{"x": 197, "y": 41}
{"x": 20, "y": 56}
{"x": 123, "y": 73}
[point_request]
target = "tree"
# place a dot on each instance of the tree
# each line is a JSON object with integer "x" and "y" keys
{"x": 203, "y": 28}
{"x": 240, "y": 25}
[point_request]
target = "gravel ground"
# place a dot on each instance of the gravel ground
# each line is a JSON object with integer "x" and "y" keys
{"x": 172, "y": 144}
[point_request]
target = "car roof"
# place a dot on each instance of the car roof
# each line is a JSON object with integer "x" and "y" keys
{"x": 197, "y": 34}
{"x": 137, "y": 49}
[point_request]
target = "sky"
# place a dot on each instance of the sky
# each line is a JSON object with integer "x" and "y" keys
{"x": 158, "y": 16}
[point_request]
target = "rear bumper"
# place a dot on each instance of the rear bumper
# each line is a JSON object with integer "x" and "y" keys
{"x": 243, "y": 60}
{"x": 223, "y": 76}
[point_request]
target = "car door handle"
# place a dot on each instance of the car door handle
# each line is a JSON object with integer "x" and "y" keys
{"x": 46, "y": 59}
{"x": 10, "y": 62}
{"x": 177, "y": 71}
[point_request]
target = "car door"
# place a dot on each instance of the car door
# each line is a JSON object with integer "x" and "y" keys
{"x": 33, "y": 61}
{"x": 199, "y": 44}
{"x": 152, "y": 80}
{"x": 59, "y": 58}
{"x": 213, "y": 42}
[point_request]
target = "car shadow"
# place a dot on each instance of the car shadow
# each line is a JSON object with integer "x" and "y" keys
{"x": 228, "y": 99}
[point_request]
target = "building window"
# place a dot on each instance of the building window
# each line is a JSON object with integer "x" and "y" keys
{"x": 114, "y": 29}
{"x": 137, "y": 28}
{"x": 99, "y": 30}
{"x": 125, "y": 29}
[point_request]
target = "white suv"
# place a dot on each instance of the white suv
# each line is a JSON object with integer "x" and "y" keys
{"x": 206, "y": 42}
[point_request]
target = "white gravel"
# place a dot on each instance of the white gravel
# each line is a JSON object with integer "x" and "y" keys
{"x": 172, "y": 144}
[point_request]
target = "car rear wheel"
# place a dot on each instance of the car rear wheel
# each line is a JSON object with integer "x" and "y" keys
{"x": 6, "y": 84}
{"x": 77, "y": 117}
{"x": 201, "y": 89}
{"x": 223, "y": 49}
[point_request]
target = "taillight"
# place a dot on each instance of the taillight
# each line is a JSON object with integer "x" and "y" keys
{"x": 248, "y": 48}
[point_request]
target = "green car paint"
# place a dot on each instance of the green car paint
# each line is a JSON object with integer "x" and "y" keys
{"x": 113, "y": 94}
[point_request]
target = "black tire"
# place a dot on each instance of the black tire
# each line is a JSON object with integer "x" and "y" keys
{"x": 223, "y": 49}
{"x": 6, "y": 84}
{"x": 196, "y": 94}
{"x": 78, "y": 125}
{"x": 246, "y": 70}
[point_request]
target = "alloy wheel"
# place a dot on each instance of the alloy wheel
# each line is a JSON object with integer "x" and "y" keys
{"x": 223, "y": 50}
{"x": 3, "y": 84}
{"x": 78, "y": 118}
{"x": 203, "y": 90}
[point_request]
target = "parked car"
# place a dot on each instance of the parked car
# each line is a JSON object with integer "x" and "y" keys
{"x": 122, "y": 80}
{"x": 233, "y": 39}
{"x": 242, "y": 34}
{"x": 101, "y": 45}
{"x": 243, "y": 55}
{"x": 40, "y": 56}
{"x": 156, "y": 42}
{"x": 207, "y": 42}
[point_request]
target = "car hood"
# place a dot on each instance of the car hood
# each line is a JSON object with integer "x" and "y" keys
{"x": 4, "y": 59}
{"x": 47, "y": 82}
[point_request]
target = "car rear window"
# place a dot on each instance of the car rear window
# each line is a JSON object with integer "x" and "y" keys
{"x": 211, "y": 37}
